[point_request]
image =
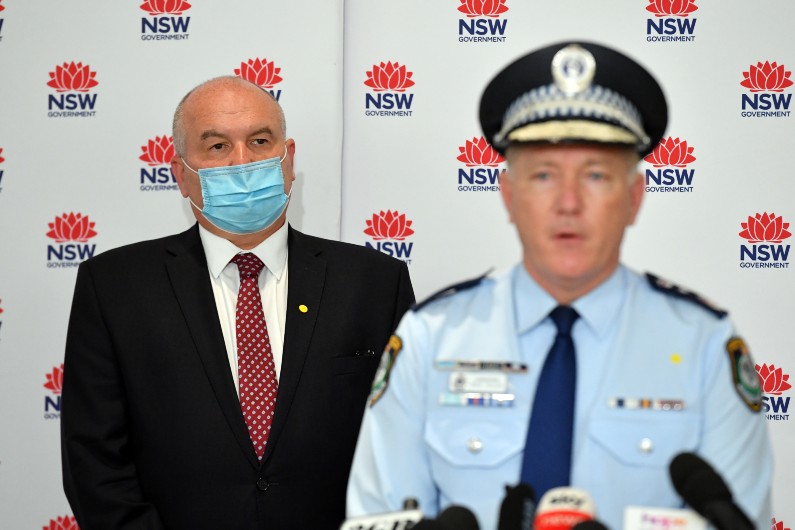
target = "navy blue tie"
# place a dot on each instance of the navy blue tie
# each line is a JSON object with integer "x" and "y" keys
{"x": 547, "y": 452}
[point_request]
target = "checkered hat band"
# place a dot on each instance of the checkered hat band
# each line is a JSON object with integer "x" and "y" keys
{"x": 547, "y": 103}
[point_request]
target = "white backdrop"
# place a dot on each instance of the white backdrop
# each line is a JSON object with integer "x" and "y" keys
{"x": 381, "y": 98}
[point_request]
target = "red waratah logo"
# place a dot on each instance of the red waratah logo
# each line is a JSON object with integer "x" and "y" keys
{"x": 62, "y": 523}
{"x": 478, "y": 152}
{"x": 71, "y": 227}
{"x": 765, "y": 227}
{"x": 1, "y": 6}
{"x": 671, "y": 8}
{"x": 158, "y": 151}
{"x": 388, "y": 225}
{"x": 55, "y": 380}
{"x": 389, "y": 76}
{"x": 1, "y": 309}
{"x": 165, "y": 7}
{"x": 72, "y": 76}
{"x": 483, "y": 8}
{"x": 671, "y": 152}
{"x": 260, "y": 72}
{"x": 778, "y": 525}
{"x": 1, "y": 158}
{"x": 767, "y": 76}
{"x": 774, "y": 381}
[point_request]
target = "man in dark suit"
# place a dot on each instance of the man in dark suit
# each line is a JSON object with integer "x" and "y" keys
{"x": 153, "y": 435}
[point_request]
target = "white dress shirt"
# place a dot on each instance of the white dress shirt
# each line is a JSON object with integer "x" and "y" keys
{"x": 225, "y": 280}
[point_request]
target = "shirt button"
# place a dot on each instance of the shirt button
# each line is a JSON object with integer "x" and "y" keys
{"x": 262, "y": 484}
{"x": 646, "y": 446}
{"x": 474, "y": 445}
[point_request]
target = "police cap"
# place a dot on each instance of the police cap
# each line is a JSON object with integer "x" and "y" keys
{"x": 574, "y": 92}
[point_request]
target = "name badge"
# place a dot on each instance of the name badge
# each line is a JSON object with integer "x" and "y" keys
{"x": 483, "y": 382}
{"x": 452, "y": 365}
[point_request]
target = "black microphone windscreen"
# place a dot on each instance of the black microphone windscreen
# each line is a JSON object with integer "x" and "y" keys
{"x": 697, "y": 482}
{"x": 458, "y": 518}
{"x": 517, "y": 510}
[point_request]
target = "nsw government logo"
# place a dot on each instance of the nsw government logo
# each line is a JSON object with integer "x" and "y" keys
{"x": 73, "y": 229}
{"x": 1, "y": 169}
{"x": 389, "y": 231}
{"x": 765, "y": 228}
{"x": 670, "y": 160}
{"x": 482, "y": 22}
{"x": 388, "y": 82}
{"x": 157, "y": 155}
{"x": 481, "y": 160}
{"x": 67, "y": 522}
{"x": 778, "y": 525}
{"x": 165, "y": 21}
{"x": 672, "y": 21}
{"x": 766, "y": 83}
{"x": 263, "y": 73}
{"x": 72, "y": 82}
{"x": 774, "y": 384}
{"x": 1, "y": 20}
{"x": 52, "y": 402}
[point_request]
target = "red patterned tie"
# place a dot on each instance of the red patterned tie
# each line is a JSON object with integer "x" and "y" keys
{"x": 255, "y": 368}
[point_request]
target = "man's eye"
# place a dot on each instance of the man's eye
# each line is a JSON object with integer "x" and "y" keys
{"x": 217, "y": 147}
{"x": 260, "y": 141}
{"x": 542, "y": 175}
{"x": 596, "y": 175}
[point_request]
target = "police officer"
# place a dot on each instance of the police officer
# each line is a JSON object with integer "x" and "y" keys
{"x": 554, "y": 373}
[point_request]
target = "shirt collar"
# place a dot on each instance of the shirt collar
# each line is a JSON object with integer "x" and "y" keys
{"x": 219, "y": 251}
{"x": 598, "y": 308}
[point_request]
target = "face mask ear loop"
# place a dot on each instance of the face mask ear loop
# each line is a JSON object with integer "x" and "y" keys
{"x": 190, "y": 168}
{"x": 285, "y": 153}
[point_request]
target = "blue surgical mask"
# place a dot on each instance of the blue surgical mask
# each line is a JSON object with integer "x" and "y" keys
{"x": 243, "y": 199}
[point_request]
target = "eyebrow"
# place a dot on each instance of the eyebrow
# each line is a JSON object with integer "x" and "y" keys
{"x": 212, "y": 133}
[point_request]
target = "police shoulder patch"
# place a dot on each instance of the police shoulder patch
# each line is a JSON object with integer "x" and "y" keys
{"x": 744, "y": 376}
{"x": 450, "y": 290}
{"x": 388, "y": 358}
{"x": 669, "y": 288}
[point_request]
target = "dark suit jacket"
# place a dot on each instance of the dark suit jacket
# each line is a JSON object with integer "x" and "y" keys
{"x": 152, "y": 432}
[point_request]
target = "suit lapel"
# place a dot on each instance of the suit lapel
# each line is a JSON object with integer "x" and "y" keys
{"x": 307, "y": 274}
{"x": 187, "y": 270}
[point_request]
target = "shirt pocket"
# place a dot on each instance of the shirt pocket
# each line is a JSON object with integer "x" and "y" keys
{"x": 474, "y": 452}
{"x": 627, "y": 458}
{"x": 474, "y": 437}
{"x": 646, "y": 439}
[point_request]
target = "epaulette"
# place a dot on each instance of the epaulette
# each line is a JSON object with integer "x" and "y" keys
{"x": 664, "y": 286}
{"x": 450, "y": 290}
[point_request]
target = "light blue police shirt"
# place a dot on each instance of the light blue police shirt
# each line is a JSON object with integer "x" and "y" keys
{"x": 633, "y": 343}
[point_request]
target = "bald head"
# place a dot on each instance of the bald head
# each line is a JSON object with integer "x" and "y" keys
{"x": 217, "y": 84}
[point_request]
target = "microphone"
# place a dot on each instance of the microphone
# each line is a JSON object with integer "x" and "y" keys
{"x": 518, "y": 508}
{"x": 452, "y": 518}
{"x": 402, "y": 520}
{"x": 562, "y": 508}
{"x": 410, "y": 503}
{"x": 705, "y": 491}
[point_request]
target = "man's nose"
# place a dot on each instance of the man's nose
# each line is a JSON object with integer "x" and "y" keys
{"x": 241, "y": 154}
{"x": 570, "y": 196}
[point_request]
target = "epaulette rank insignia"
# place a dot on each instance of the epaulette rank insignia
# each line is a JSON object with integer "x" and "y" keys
{"x": 672, "y": 289}
{"x": 450, "y": 290}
